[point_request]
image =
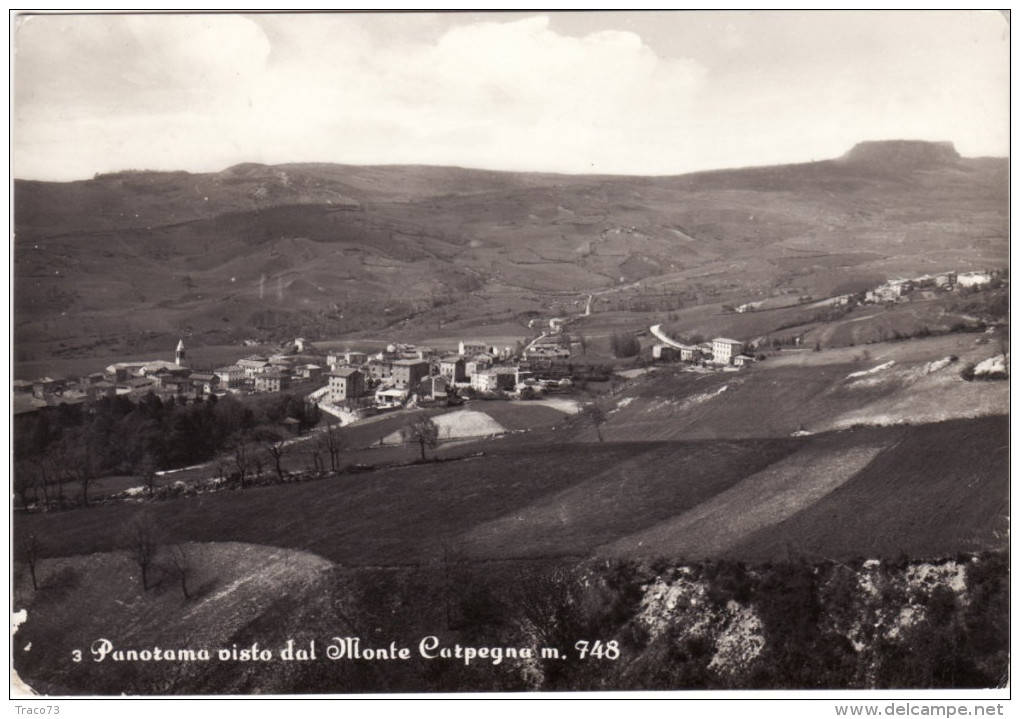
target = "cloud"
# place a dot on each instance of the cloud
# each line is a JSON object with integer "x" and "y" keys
{"x": 474, "y": 90}
{"x": 201, "y": 92}
{"x": 330, "y": 88}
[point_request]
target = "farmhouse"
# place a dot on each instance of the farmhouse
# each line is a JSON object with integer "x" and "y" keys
{"x": 345, "y": 383}
{"x": 231, "y": 376}
{"x": 355, "y": 359}
{"x": 476, "y": 364}
{"x": 665, "y": 353}
{"x": 973, "y": 279}
{"x": 493, "y": 380}
{"x": 379, "y": 369}
{"x": 467, "y": 349}
{"x": 136, "y": 387}
{"x": 271, "y": 380}
{"x": 99, "y": 390}
{"x": 253, "y": 365}
{"x": 433, "y": 387}
{"x": 891, "y": 291}
{"x": 311, "y": 372}
{"x": 547, "y": 352}
{"x": 209, "y": 382}
{"x": 452, "y": 368}
{"x": 408, "y": 372}
{"x": 174, "y": 383}
{"x": 724, "y": 350}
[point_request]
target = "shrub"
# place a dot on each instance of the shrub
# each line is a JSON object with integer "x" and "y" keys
{"x": 625, "y": 345}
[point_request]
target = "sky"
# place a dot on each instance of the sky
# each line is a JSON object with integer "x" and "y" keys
{"x": 646, "y": 93}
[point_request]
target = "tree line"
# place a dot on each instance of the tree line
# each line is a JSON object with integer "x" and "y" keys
{"x": 78, "y": 444}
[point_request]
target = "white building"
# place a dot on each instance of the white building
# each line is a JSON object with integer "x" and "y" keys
{"x": 390, "y": 396}
{"x": 973, "y": 279}
{"x": 466, "y": 349}
{"x": 724, "y": 350}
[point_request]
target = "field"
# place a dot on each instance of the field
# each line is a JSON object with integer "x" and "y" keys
{"x": 759, "y": 500}
{"x": 808, "y": 391}
{"x": 568, "y": 500}
{"x": 940, "y": 489}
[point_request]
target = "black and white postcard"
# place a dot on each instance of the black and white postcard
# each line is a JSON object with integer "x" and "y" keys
{"x": 446, "y": 353}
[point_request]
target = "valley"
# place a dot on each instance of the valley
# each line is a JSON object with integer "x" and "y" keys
{"x": 820, "y": 502}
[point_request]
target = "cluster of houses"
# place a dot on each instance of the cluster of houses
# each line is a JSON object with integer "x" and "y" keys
{"x": 386, "y": 379}
{"x": 897, "y": 289}
{"x": 391, "y": 377}
{"x": 168, "y": 379}
{"x": 720, "y": 352}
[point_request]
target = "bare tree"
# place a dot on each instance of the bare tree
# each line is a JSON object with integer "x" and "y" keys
{"x": 316, "y": 450}
{"x": 423, "y": 431}
{"x": 178, "y": 565}
{"x": 28, "y": 547}
{"x": 332, "y": 441}
{"x": 26, "y": 480}
{"x": 594, "y": 414}
{"x": 51, "y": 480}
{"x": 147, "y": 471}
{"x": 82, "y": 467}
{"x": 242, "y": 449}
{"x": 142, "y": 547}
{"x": 274, "y": 443}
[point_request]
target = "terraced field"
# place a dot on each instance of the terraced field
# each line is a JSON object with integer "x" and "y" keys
{"x": 928, "y": 489}
{"x": 756, "y": 502}
{"x": 908, "y": 382}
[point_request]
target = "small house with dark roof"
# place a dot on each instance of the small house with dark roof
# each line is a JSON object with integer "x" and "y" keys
{"x": 208, "y": 381}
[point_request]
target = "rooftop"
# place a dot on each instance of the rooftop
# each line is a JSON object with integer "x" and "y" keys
{"x": 343, "y": 372}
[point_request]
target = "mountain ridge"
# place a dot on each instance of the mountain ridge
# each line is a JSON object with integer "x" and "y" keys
{"x": 326, "y": 250}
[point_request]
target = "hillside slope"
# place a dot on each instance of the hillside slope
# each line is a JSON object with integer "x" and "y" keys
{"x": 128, "y": 259}
{"x": 890, "y": 383}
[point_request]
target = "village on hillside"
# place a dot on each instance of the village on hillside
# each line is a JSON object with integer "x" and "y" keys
{"x": 352, "y": 384}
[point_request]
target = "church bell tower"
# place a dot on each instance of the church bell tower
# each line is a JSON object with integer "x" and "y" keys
{"x": 179, "y": 354}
